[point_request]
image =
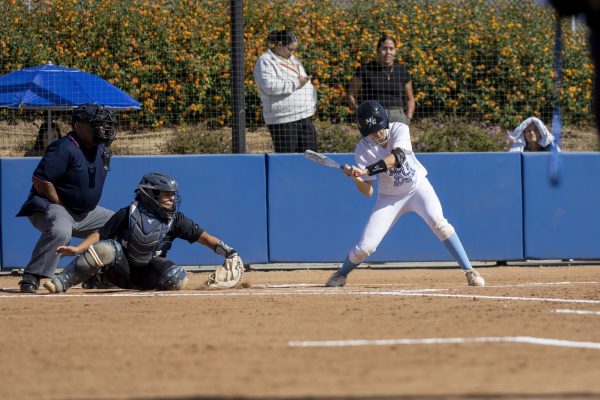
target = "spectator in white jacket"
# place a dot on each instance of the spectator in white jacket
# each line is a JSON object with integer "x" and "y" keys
{"x": 288, "y": 97}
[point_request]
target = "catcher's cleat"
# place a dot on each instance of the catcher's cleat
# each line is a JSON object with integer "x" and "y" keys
{"x": 336, "y": 280}
{"x": 53, "y": 286}
{"x": 98, "y": 281}
{"x": 474, "y": 279}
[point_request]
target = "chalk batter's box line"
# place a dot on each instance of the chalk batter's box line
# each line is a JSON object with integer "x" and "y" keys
{"x": 577, "y": 312}
{"x": 436, "y": 341}
{"x": 305, "y": 291}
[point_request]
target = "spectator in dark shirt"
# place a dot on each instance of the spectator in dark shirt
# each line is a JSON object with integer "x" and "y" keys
{"x": 44, "y": 137}
{"x": 67, "y": 185}
{"x": 385, "y": 81}
{"x": 133, "y": 244}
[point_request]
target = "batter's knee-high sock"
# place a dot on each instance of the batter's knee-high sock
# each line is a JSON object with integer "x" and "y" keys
{"x": 455, "y": 248}
{"x": 347, "y": 267}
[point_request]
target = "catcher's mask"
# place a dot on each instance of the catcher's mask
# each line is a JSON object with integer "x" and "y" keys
{"x": 148, "y": 194}
{"x": 103, "y": 122}
{"x": 371, "y": 118}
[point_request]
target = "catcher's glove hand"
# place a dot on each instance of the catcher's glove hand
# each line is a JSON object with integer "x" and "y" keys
{"x": 229, "y": 275}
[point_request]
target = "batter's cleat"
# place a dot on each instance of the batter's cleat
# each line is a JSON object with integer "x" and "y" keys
{"x": 474, "y": 279}
{"x": 29, "y": 284}
{"x": 336, "y": 280}
{"x": 53, "y": 286}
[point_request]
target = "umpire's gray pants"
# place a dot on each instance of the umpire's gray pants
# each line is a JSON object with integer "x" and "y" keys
{"x": 57, "y": 226}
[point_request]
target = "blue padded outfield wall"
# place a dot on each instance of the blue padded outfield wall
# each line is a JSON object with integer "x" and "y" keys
{"x": 282, "y": 208}
{"x": 225, "y": 195}
{"x": 316, "y": 214}
{"x": 562, "y": 221}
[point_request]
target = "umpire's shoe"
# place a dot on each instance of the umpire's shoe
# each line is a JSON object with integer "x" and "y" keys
{"x": 336, "y": 280}
{"x": 29, "y": 284}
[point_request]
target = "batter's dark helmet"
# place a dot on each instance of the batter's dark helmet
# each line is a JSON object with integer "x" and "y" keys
{"x": 104, "y": 123}
{"x": 371, "y": 117}
{"x": 148, "y": 193}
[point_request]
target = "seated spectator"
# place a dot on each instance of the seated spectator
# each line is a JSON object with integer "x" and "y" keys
{"x": 41, "y": 142}
{"x": 532, "y": 135}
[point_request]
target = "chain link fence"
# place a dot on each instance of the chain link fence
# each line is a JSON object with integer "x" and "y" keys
{"x": 484, "y": 65}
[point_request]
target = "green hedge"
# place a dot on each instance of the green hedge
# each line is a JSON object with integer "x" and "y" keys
{"x": 480, "y": 60}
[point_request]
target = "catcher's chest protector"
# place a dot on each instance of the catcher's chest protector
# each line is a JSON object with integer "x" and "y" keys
{"x": 142, "y": 240}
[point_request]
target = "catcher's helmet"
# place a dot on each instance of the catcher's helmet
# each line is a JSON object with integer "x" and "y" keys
{"x": 371, "y": 117}
{"x": 103, "y": 122}
{"x": 148, "y": 194}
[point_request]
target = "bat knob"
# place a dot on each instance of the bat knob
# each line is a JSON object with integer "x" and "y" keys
{"x": 553, "y": 171}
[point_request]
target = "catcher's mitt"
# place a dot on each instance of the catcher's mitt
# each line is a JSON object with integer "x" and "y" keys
{"x": 229, "y": 275}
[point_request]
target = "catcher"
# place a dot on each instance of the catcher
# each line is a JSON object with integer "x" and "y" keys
{"x": 131, "y": 248}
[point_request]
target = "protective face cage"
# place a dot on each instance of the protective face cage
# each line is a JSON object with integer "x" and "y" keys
{"x": 103, "y": 122}
{"x": 149, "y": 194}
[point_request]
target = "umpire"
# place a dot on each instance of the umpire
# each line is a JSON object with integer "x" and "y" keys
{"x": 67, "y": 185}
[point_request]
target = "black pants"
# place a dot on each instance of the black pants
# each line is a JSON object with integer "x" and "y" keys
{"x": 294, "y": 137}
{"x": 127, "y": 276}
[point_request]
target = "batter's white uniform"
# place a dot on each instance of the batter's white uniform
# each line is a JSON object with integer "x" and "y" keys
{"x": 401, "y": 189}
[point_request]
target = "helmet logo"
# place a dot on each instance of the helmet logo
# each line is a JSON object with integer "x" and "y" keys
{"x": 371, "y": 121}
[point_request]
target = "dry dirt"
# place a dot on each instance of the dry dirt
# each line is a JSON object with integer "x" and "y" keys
{"x": 252, "y": 342}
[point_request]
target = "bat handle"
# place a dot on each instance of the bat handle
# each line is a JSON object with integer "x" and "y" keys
{"x": 554, "y": 169}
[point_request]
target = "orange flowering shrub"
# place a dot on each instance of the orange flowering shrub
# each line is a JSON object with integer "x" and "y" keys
{"x": 490, "y": 63}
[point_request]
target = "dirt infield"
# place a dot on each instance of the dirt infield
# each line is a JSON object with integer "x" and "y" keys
{"x": 402, "y": 333}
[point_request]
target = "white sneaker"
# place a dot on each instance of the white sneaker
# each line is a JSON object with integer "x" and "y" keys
{"x": 336, "y": 280}
{"x": 474, "y": 279}
{"x": 53, "y": 286}
{"x": 50, "y": 286}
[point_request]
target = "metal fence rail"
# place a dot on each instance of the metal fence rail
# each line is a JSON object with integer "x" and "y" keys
{"x": 487, "y": 63}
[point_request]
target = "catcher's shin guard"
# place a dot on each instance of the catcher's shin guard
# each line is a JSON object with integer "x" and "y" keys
{"x": 85, "y": 265}
{"x": 173, "y": 278}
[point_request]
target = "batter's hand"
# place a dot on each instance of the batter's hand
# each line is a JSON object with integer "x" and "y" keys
{"x": 347, "y": 170}
{"x": 67, "y": 250}
{"x": 351, "y": 170}
{"x": 358, "y": 172}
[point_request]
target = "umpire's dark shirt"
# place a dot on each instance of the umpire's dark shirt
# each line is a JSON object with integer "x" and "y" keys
{"x": 76, "y": 172}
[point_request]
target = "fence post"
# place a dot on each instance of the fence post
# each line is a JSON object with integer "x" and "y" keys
{"x": 238, "y": 133}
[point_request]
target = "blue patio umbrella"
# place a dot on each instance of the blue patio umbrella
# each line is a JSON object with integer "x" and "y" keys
{"x": 56, "y": 88}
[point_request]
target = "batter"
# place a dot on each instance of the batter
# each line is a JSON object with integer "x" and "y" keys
{"x": 385, "y": 152}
